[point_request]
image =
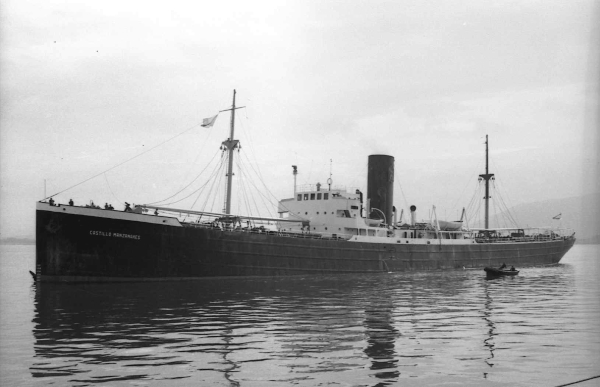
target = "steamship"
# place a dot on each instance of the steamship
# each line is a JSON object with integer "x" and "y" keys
{"x": 321, "y": 230}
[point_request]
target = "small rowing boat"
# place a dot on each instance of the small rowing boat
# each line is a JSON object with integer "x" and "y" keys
{"x": 492, "y": 272}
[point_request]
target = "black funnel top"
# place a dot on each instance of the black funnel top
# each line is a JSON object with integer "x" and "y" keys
{"x": 380, "y": 186}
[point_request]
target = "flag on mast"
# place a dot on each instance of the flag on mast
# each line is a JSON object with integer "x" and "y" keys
{"x": 557, "y": 216}
{"x": 208, "y": 122}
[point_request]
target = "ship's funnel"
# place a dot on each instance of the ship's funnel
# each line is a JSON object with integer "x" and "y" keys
{"x": 413, "y": 215}
{"x": 380, "y": 186}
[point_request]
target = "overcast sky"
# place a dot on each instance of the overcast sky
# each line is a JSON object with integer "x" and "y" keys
{"x": 88, "y": 85}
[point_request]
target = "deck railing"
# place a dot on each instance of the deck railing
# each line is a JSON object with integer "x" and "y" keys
{"x": 265, "y": 231}
{"x": 535, "y": 236}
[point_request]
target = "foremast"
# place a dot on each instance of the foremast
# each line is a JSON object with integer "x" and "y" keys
{"x": 230, "y": 145}
{"x": 487, "y": 176}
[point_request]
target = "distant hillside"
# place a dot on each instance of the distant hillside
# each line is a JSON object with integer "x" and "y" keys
{"x": 579, "y": 213}
{"x": 17, "y": 241}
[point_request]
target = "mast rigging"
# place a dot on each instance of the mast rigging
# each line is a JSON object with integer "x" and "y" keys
{"x": 487, "y": 176}
{"x": 230, "y": 145}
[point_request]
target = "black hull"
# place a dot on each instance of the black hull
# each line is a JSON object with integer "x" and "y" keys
{"x": 80, "y": 244}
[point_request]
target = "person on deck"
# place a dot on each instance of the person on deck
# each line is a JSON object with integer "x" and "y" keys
{"x": 51, "y": 201}
{"x": 71, "y": 202}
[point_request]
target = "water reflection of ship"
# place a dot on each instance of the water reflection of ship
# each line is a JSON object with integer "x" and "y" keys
{"x": 488, "y": 343}
{"x": 554, "y": 283}
{"x": 320, "y": 323}
{"x": 381, "y": 338}
{"x": 229, "y": 349}
{"x": 78, "y": 328}
{"x": 141, "y": 327}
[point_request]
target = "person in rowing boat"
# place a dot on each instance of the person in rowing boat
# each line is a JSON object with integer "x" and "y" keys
{"x": 503, "y": 266}
{"x": 512, "y": 268}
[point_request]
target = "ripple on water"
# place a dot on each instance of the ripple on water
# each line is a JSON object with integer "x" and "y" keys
{"x": 538, "y": 328}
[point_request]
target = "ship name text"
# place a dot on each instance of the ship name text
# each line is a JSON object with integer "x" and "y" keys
{"x": 114, "y": 234}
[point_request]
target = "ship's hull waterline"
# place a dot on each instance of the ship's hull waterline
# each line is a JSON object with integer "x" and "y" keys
{"x": 90, "y": 245}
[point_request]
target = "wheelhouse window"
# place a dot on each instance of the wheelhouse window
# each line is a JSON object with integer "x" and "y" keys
{"x": 325, "y": 196}
{"x": 312, "y": 196}
{"x": 299, "y": 197}
{"x": 305, "y": 196}
{"x": 318, "y": 196}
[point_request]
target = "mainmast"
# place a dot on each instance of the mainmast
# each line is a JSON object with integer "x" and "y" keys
{"x": 487, "y": 176}
{"x": 230, "y": 145}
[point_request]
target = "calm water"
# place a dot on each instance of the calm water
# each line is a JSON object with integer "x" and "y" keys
{"x": 432, "y": 328}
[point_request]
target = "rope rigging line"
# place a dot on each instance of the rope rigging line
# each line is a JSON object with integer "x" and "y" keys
{"x": 193, "y": 192}
{"x": 476, "y": 205}
{"x": 265, "y": 201}
{"x": 251, "y": 145}
{"x": 257, "y": 171}
{"x": 217, "y": 172}
{"x": 111, "y": 191}
{"x": 579, "y": 381}
{"x": 472, "y": 210}
{"x": 124, "y": 162}
{"x": 509, "y": 214}
{"x": 496, "y": 217}
{"x": 217, "y": 183}
{"x": 471, "y": 179}
{"x": 262, "y": 197}
{"x": 396, "y": 181}
{"x": 196, "y": 178}
{"x": 201, "y": 190}
{"x": 264, "y": 185}
{"x": 244, "y": 191}
{"x": 506, "y": 208}
{"x": 200, "y": 152}
{"x": 503, "y": 214}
